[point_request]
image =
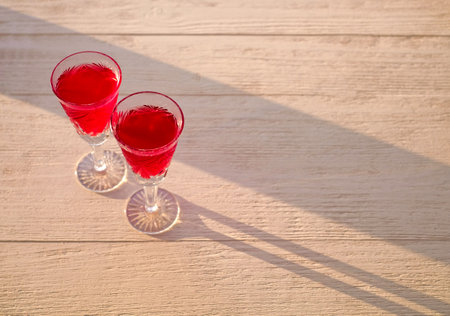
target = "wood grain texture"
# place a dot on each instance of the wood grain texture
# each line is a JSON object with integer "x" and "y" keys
{"x": 222, "y": 278}
{"x": 313, "y": 173}
{"x": 322, "y": 65}
{"x": 292, "y": 167}
{"x": 399, "y": 17}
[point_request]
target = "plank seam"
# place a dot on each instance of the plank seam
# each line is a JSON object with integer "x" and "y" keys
{"x": 234, "y": 34}
{"x": 224, "y": 240}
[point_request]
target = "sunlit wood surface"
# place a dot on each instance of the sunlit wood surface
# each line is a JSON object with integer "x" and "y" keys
{"x": 313, "y": 172}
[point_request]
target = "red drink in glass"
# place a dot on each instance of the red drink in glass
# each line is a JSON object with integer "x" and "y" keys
{"x": 87, "y": 86}
{"x": 149, "y": 128}
{"x": 94, "y": 88}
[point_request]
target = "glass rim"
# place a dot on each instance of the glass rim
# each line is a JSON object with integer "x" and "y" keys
{"x": 152, "y": 150}
{"x": 101, "y": 101}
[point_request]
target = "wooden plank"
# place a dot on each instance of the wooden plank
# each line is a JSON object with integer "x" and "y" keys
{"x": 339, "y": 65}
{"x": 400, "y": 17}
{"x": 290, "y": 167}
{"x": 223, "y": 278}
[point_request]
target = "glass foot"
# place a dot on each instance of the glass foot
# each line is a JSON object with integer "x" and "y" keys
{"x": 101, "y": 181}
{"x": 156, "y": 222}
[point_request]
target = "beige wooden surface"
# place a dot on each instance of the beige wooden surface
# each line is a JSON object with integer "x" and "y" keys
{"x": 313, "y": 172}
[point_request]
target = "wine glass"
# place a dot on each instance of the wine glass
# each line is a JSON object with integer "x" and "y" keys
{"x": 87, "y": 86}
{"x": 147, "y": 126}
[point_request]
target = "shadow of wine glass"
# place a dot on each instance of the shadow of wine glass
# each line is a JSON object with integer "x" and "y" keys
{"x": 192, "y": 227}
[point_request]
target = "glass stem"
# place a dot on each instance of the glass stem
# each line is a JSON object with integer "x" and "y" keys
{"x": 99, "y": 158}
{"x": 151, "y": 193}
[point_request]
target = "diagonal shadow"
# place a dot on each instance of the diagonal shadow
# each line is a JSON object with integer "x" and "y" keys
{"x": 332, "y": 174}
{"x": 194, "y": 225}
{"x": 337, "y": 173}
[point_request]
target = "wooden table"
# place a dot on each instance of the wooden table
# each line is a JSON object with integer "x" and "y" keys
{"x": 313, "y": 173}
